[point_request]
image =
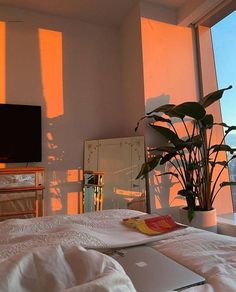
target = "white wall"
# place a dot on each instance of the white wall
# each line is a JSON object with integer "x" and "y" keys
{"x": 132, "y": 71}
{"x": 109, "y": 78}
{"x": 91, "y": 102}
{"x": 170, "y": 76}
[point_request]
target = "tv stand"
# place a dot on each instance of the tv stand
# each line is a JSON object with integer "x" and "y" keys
{"x": 16, "y": 181}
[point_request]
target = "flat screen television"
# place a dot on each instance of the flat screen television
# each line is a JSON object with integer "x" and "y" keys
{"x": 20, "y": 133}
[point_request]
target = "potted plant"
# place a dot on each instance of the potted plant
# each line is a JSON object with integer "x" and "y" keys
{"x": 190, "y": 154}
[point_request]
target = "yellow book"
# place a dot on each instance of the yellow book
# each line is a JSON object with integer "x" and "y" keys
{"x": 152, "y": 224}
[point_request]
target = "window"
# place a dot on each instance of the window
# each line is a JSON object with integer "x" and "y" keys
{"x": 224, "y": 46}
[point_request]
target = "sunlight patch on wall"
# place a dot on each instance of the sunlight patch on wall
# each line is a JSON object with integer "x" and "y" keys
{"x": 129, "y": 193}
{"x": 168, "y": 62}
{"x": 55, "y": 203}
{"x": 72, "y": 175}
{"x": 72, "y": 203}
{"x": 81, "y": 174}
{"x": 81, "y": 202}
{"x": 51, "y": 145}
{"x": 169, "y": 77}
{"x": 74, "y": 198}
{"x": 50, "y": 43}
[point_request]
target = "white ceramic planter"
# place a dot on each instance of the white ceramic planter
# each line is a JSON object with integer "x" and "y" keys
{"x": 202, "y": 219}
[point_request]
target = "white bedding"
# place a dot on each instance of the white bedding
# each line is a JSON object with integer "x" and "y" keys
{"x": 23, "y": 241}
{"x": 56, "y": 269}
{"x": 211, "y": 255}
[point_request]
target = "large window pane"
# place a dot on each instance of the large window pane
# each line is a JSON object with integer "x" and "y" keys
{"x": 224, "y": 44}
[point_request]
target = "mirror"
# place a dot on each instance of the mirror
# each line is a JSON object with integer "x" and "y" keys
{"x": 110, "y": 170}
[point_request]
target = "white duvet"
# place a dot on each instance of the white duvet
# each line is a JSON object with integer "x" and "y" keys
{"x": 57, "y": 268}
{"x": 211, "y": 255}
{"x": 44, "y": 254}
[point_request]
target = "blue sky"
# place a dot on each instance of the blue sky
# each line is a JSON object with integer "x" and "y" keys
{"x": 224, "y": 43}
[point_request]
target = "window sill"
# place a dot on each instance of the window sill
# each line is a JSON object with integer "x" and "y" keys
{"x": 226, "y": 224}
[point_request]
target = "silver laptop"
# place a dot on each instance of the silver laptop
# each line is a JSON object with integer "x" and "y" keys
{"x": 151, "y": 271}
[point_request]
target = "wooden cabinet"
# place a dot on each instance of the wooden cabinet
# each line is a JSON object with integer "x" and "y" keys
{"x": 21, "y": 192}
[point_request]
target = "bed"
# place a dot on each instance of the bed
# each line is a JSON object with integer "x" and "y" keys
{"x": 66, "y": 253}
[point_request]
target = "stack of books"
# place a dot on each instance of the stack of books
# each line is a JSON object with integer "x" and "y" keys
{"x": 152, "y": 224}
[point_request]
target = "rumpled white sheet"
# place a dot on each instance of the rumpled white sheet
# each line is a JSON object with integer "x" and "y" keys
{"x": 45, "y": 254}
{"x": 56, "y": 269}
{"x": 211, "y": 255}
{"x": 95, "y": 230}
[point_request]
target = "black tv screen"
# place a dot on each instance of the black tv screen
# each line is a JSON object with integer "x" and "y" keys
{"x": 20, "y": 133}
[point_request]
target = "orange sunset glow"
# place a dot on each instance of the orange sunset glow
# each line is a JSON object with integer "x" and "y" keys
{"x": 73, "y": 175}
{"x": 51, "y": 55}
{"x": 72, "y": 203}
{"x": 50, "y": 43}
{"x": 129, "y": 193}
{"x": 173, "y": 54}
{"x": 169, "y": 77}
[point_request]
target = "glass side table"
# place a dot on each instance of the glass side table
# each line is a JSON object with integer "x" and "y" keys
{"x": 93, "y": 191}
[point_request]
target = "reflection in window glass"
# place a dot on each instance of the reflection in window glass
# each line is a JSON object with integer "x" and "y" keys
{"x": 224, "y": 44}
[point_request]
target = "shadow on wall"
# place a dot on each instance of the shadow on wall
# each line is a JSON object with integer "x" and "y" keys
{"x": 62, "y": 182}
{"x": 41, "y": 83}
{"x": 163, "y": 188}
{"x": 59, "y": 177}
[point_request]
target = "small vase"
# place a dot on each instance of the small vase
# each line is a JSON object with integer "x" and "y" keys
{"x": 202, "y": 219}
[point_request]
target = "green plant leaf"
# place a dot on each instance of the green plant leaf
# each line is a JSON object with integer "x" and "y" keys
{"x": 162, "y": 109}
{"x": 197, "y": 141}
{"x": 167, "y": 157}
{"x": 192, "y": 166}
{"x": 213, "y": 97}
{"x": 223, "y": 163}
{"x": 167, "y": 109}
{"x": 227, "y": 183}
{"x": 167, "y": 133}
{"x": 136, "y": 128}
{"x": 155, "y": 117}
{"x": 180, "y": 145}
{"x": 191, "y": 109}
{"x": 161, "y": 119}
{"x": 208, "y": 121}
{"x": 169, "y": 173}
{"x": 168, "y": 149}
{"x": 148, "y": 166}
{"x": 232, "y": 128}
{"x": 190, "y": 215}
{"x": 222, "y": 124}
{"x": 185, "y": 193}
{"x": 233, "y": 157}
{"x": 219, "y": 147}
{"x": 174, "y": 114}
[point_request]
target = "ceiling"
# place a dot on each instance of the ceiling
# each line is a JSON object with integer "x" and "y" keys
{"x": 107, "y": 12}
{"x": 170, "y": 3}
